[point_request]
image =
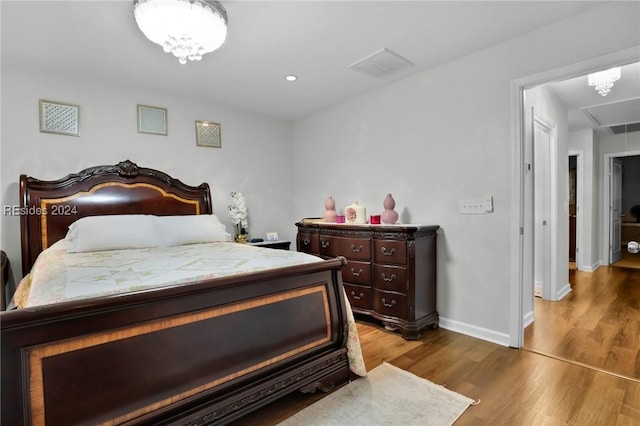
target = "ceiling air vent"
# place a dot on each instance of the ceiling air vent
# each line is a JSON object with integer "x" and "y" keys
{"x": 625, "y": 128}
{"x": 614, "y": 113}
{"x": 381, "y": 63}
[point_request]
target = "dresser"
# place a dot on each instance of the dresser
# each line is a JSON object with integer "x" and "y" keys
{"x": 390, "y": 273}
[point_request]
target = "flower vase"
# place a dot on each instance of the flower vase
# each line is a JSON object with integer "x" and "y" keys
{"x": 389, "y": 216}
{"x": 330, "y": 214}
{"x": 241, "y": 234}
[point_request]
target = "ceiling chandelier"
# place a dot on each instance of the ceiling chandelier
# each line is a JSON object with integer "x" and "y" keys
{"x": 603, "y": 80}
{"x": 186, "y": 28}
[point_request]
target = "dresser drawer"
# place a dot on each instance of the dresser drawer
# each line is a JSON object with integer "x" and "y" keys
{"x": 392, "y": 278}
{"x": 357, "y": 272}
{"x": 390, "y": 251}
{"x": 351, "y": 248}
{"x": 308, "y": 242}
{"x": 390, "y": 303}
{"x": 359, "y": 296}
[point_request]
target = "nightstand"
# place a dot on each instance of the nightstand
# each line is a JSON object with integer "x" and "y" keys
{"x": 277, "y": 244}
{"x": 8, "y": 286}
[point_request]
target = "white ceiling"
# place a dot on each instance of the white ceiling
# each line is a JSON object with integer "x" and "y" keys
{"x": 316, "y": 40}
{"x": 620, "y": 106}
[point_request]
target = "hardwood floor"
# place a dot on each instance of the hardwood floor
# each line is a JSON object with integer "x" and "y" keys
{"x": 514, "y": 386}
{"x": 628, "y": 260}
{"x": 597, "y": 324}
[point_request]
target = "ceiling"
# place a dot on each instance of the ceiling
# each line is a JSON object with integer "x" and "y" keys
{"x": 590, "y": 110}
{"x": 315, "y": 40}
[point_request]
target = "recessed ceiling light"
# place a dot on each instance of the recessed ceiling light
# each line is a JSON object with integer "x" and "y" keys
{"x": 291, "y": 77}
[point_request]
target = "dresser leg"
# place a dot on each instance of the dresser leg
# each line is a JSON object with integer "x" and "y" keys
{"x": 410, "y": 335}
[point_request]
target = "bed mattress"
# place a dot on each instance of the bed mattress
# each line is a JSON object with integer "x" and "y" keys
{"x": 60, "y": 276}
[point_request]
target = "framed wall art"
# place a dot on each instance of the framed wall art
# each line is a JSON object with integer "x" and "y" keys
{"x": 59, "y": 118}
{"x": 152, "y": 120}
{"x": 208, "y": 134}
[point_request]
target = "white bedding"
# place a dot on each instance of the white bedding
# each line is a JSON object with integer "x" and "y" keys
{"x": 59, "y": 276}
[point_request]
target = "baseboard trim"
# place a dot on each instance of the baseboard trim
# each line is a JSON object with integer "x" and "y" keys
{"x": 563, "y": 292}
{"x": 537, "y": 289}
{"x": 492, "y": 336}
{"x": 590, "y": 268}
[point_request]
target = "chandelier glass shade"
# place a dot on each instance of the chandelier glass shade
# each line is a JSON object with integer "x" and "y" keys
{"x": 186, "y": 28}
{"x": 603, "y": 80}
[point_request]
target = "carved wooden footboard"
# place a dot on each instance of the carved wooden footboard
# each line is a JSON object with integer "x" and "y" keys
{"x": 199, "y": 353}
{"x": 202, "y": 353}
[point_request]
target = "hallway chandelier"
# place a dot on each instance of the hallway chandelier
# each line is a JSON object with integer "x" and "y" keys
{"x": 186, "y": 28}
{"x": 603, "y": 80}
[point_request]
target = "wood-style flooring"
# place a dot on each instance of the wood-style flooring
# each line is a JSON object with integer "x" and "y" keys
{"x": 628, "y": 260}
{"x": 514, "y": 386}
{"x": 597, "y": 324}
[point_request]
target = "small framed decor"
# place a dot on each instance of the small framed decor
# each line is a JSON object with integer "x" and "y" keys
{"x": 272, "y": 236}
{"x": 208, "y": 134}
{"x": 152, "y": 120}
{"x": 59, "y": 118}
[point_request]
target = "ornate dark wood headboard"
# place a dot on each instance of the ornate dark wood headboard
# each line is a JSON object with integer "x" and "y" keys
{"x": 49, "y": 207}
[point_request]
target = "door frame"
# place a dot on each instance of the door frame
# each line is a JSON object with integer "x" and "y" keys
{"x": 518, "y": 231}
{"x": 580, "y": 226}
{"x": 606, "y": 201}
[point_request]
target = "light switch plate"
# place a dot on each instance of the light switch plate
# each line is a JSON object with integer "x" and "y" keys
{"x": 476, "y": 205}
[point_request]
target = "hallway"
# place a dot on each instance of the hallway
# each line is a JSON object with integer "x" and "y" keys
{"x": 596, "y": 325}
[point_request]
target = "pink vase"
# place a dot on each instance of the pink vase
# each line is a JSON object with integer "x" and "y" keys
{"x": 389, "y": 216}
{"x": 329, "y": 214}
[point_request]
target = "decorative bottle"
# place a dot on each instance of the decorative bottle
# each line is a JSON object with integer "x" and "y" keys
{"x": 330, "y": 214}
{"x": 389, "y": 216}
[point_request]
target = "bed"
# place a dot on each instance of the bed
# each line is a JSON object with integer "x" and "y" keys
{"x": 202, "y": 351}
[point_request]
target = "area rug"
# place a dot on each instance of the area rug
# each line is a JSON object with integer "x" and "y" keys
{"x": 388, "y": 395}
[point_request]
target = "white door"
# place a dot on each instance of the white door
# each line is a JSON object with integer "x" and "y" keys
{"x": 542, "y": 211}
{"x": 615, "y": 195}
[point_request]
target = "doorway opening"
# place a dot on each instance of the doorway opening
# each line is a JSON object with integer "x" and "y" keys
{"x": 623, "y": 199}
{"x": 522, "y": 272}
{"x": 573, "y": 210}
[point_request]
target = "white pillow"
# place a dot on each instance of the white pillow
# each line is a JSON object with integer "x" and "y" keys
{"x": 191, "y": 229}
{"x": 112, "y": 232}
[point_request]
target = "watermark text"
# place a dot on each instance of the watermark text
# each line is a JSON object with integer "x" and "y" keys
{"x": 54, "y": 210}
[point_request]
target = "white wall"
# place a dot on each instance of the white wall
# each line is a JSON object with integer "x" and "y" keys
{"x": 441, "y": 136}
{"x": 583, "y": 141}
{"x": 623, "y": 144}
{"x": 255, "y": 157}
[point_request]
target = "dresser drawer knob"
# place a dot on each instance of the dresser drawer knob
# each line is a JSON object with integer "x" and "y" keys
{"x": 356, "y": 274}
{"x": 306, "y": 241}
{"x": 325, "y": 244}
{"x": 386, "y": 252}
{"x": 357, "y": 249}
{"x": 389, "y": 279}
{"x": 389, "y": 305}
{"x": 358, "y": 296}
